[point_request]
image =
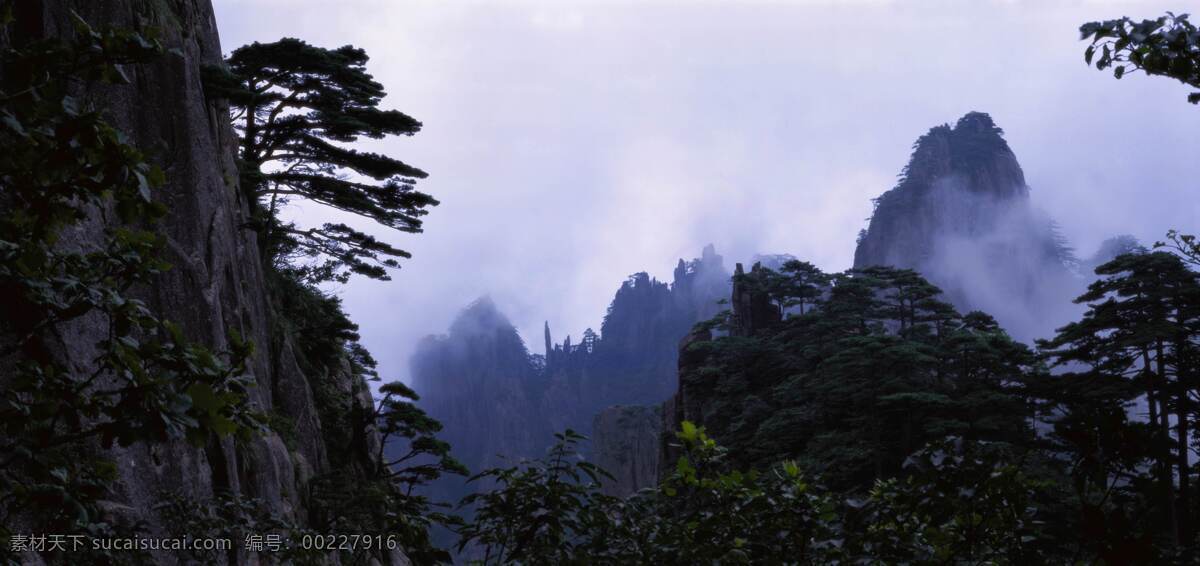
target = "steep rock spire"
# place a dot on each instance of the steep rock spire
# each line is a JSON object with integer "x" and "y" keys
{"x": 961, "y": 215}
{"x": 752, "y": 307}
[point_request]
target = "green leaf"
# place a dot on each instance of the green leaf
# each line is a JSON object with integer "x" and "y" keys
{"x": 203, "y": 397}
{"x": 688, "y": 431}
{"x": 155, "y": 176}
{"x": 684, "y": 467}
{"x": 223, "y": 426}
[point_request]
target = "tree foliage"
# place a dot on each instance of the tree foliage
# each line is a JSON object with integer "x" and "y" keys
{"x": 881, "y": 427}
{"x": 876, "y": 367}
{"x": 296, "y": 106}
{"x": 1166, "y": 46}
{"x": 961, "y": 503}
{"x": 1142, "y": 327}
{"x": 424, "y": 458}
{"x": 236, "y": 517}
{"x": 545, "y": 511}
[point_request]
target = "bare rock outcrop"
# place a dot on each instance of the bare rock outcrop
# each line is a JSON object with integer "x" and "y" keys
{"x": 626, "y": 444}
{"x": 752, "y": 308}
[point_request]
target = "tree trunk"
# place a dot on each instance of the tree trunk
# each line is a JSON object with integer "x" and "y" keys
{"x": 1166, "y": 477}
{"x": 1185, "y": 373}
{"x": 1185, "y": 523}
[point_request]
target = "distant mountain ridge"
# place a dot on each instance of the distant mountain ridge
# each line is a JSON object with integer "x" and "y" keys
{"x": 632, "y": 359}
{"x": 494, "y": 397}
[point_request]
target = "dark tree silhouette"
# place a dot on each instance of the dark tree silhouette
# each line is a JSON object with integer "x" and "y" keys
{"x": 295, "y": 105}
{"x": 1167, "y": 46}
{"x": 1141, "y": 325}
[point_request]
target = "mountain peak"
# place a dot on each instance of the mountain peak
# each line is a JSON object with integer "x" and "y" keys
{"x": 481, "y": 316}
{"x": 961, "y": 212}
{"x": 973, "y": 151}
{"x": 977, "y": 123}
{"x": 958, "y": 181}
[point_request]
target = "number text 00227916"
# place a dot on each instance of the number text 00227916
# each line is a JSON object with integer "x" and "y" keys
{"x": 350, "y": 542}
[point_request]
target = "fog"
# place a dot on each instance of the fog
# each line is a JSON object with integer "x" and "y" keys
{"x": 1001, "y": 257}
{"x": 572, "y": 144}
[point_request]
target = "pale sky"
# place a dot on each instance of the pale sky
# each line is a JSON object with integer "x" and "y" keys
{"x": 572, "y": 143}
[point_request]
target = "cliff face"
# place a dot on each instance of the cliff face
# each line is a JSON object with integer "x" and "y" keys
{"x": 625, "y": 443}
{"x": 751, "y": 310}
{"x": 682, "y": 406}
{"x": 961, "y": 215}
{"x": 493, "y": 397}
{"x": 217, "y": 282}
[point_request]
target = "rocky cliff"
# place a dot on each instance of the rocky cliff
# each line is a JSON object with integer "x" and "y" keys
{"x": 961, "y": 215}
{"x": 750, "y": 310}
{"x": 217, "y": 283}
{"x": 626, "y": 444}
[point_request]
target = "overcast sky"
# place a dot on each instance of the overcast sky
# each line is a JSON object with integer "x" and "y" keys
{"x": 572, "y": 144}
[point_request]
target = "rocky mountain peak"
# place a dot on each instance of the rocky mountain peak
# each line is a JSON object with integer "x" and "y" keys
{"x": 709, "y": 264}
{"x": 974, "y": 150}
{"x": 962, "y": 216}
{"x": 480, "y": 317}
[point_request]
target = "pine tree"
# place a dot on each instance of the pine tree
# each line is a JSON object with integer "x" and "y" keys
{"x": 295, "y": 106}
{"x": 876, "y": 367}
{"x": 1141, "y": 325}
{"x": 802, "y": 283}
